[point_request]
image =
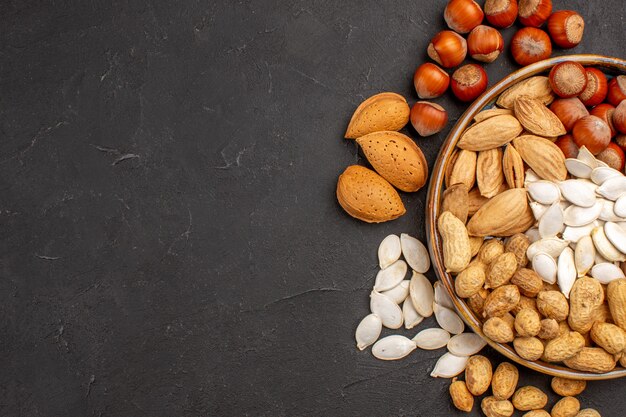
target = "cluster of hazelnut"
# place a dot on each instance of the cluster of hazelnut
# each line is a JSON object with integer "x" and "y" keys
{"x": 485, "y": 43}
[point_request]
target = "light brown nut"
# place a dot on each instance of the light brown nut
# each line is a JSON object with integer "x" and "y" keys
{"x": 476, "y": 201}
{"x": 585, "y": 296}
{"x": 602, "y": 313}
{"x": 609, "y": 337}
{"x": 513, "y": 167}
{"x": 529, "y": 283}
{"x": 616, "y": 294}
{"x": 504, "y": 381}
{"x": 525, "y": 302}
{"x": 542, "y": 156}
{"x": 501, "y": 215}
{"x": 537, "y": 87}
{"x": 384, "y": 111}
{"x": 553, "y": 305}
{"x": 549, "y": 329}
{"x": 501, "y": 300}
{"x": 478, "y": 373}
{"x": 490, "y": 250}
{"x": 622, "y": 360}
{"x": 592, "y": 359}
{"x": 588, "y": 412}
{"x": 449, "y": 166}
{"x": 568, "y": 387}
{"x": 509, "y": 319}
{"x": 476, "y": 242}
{"x": 563, "y": 347}
{"x": 498, "y": 330}
{"x": 518, "y": 244}
{"x": 566, "y": 407}
{"x": 477, "y": 301}
{"x": 461, "y": 397}
{"x": 456, "y": 246}
{"x": 501, "y": 270}
{"x": 537, "y": 413}
{"x": 564, "y": 328}
{"x": 367, "y": 196}
{"x": 469, "y": 281}
{"x": 464, "y": 169}
{"x": 455, "y": 201}
{"x": 537, "y": 118}
{"x": 496, "y": 408}
{"x": 491, "y": 133}
{"x": 529, "y": 398}
{"x": 486, "y": 114}
{"x": 489, "y": 174}
{"x": 527, "y": 323}
{"x": 529, "y": 348}
{"x": 551, "y": 287}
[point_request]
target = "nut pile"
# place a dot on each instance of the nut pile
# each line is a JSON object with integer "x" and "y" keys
{"x": 561, "y": 219}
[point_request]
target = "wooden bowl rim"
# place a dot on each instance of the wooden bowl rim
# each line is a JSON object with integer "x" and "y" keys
{"x": 610, "y": 64}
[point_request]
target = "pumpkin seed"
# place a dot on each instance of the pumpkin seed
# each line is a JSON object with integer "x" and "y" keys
{"x": 411, "y": 317}
{"x": 584, "y": 255}
{"x": 579, "y": 192}
{"x": 422, "y": 294}
{"x": 604, "y": 247}
{"x": 553, "y": 246}
{"x": 608, "y": 212}
{"x": 613, "y": 188}
{"x": 574, "y": 234}
{"x": 442, "y": 297}
{"x": 466, "y": 344}
{"x": 448, "y": 319}
{"x": 551, "y": 223}
{"x": 578, "y": 168}
{"x": 620, "y": 207}
{"x": 449, "y": 366}
{"x": 532, "y": 234}
{"x": 545, "y": 266}
{"x": 538, "y": 209}
{"x": 391, "y": 276}
{"x": 393, "y": 347}
{"x": 368, "y": 331}
{"x": 389, "y": 251}
{"x": 399, "y": 293}
{"x": 606, "y": 272}
{"x": 566, "y": 271}
{"x": 415, "y": 253}
{"x": 616, "y": 235}
{"x": 600, "y": 175}
{"x": 384, "y": 307}
{"x": 431, "y": 339}
{"x": 587, "y": 157}
{"x": 544, "y": 192}
{"x": 580, "y": 216}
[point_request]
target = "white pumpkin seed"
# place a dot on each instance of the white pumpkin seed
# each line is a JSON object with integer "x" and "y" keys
{"x": 587, "y": 157}
{"x": 399, "y": 293}
{"x": 393, "y": 347}
{"x": 616, "y": 235}
{"x": 368, "y": 331}
{"x": 384, "y": 307}
{"x": 607, "y": 272}
{"x": 391, "y": 276}
{"x": 411, "y": 317}
{"x": 608, "y": 212}
{"x": 551, "y": 223}
{"x": 574, "y": 234}
{"x": 538, "y": 209}
{"x": 579, "y": 192}
{"x": 604, "y": 247}
{"x": 600, "y": 174}
{"x": 620, "y": 207}
{"x": 422, "y": 294}
{"x": 584, "y": 255}
{"x": 466, "y": 344}
{"x": 545, "y": 266}
{"x": 553, "y": 246}
{"x": 389, "y": 251}
{"x": 532, "y": 234}
{"x": 599, "y": 259}
{"x": 415, "y": 253}
{"x": 431, "y": 339}
{"x": 566, "y": 271}
{"x": 578, "y": 168}
{"x": 580, "y": 216}
{"x": 613, "y": 188}
{"x": 530, "y": 176}
{"x": 448, "y": 319}
{"x": 544, "y": 192}
{"x": 442, "y": 297}
{"x": 449, "y": 366}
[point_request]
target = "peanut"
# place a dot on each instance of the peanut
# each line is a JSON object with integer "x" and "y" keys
{"x": 616, "y": 294}
{"x": 501, "y": 300}
{"x": 478, "y": 373}
{"x": 518, "y": 244}
{"x": 588, "y": 412}
{"x": 525, "y": 302}
{"x": 490, "y": 250}
{"x": 461, "y": 397}
{"x": 608, "y": 336}
{"x": 498, "y": 330}
{"x": 553, "y": 305}
{"x": 568, "y": 387}
{"x": 537, "y": 413}
{"x": 529, "y": 398}
{"x": 476, "y": 242}
{"x": 563, "y": 347}
{"x": 455, "y": 201}
{"x": 527, "y": 323}
{"x": 592, "y": 359}
{"x": 566, "y": 407}
{"x": 529, "y": 348}
{"x": 456, "y": 246}
{"x": 496, "y": 408}
{"x": 477, "y": 301}
{"x": 469, "y": 281}
{"x": 504, "y": 381}
{"x": 549, "y": 329}
{"x": 528, "y": 281}
{"x": 586, "y": 295}
{"x": 500, "y": 270}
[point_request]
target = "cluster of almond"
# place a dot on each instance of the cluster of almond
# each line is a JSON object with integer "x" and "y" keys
{"x": 506, "y": 397}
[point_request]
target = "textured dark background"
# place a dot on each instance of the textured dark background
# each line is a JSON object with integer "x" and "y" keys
{"x": 170, "y": 240}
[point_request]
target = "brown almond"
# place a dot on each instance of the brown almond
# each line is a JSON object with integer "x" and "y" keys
{"x": 491, "y": 133}
{"x": 487, "y": 114}
{"x": 489, "y": 175}
{"x": 513, "y": 167}
{"x": 396, "y": 158}
{"x": 542, "y": 156}
{"x": 476, "y": 201}
{"x": 384, "y": 111}
{"x": 501, "y": 214}
{"x": 367, "y": 196}
{"x": 464, "y": 169}
{"x": 535, "y": 87}
{"x": 455, "y": 200}
{"x": 537, "y": 118}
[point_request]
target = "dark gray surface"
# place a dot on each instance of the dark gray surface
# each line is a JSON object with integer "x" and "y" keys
{"x": 170, "y": 240}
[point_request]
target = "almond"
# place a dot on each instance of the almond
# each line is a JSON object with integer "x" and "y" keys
{"x": 489, "y": 175}
{"x": 500, "y": 215}
{"x": 464, "y": 169}
{"x": 367, "y": 196}
{"x": 535, "y": 87}
{"x": 487, "y": 114}
{"x": 491, "y": 133}
{"x": 537, "y": 118}
{"x": 396, "y": 158}
{"x": 513, "y": 167}
{"x": 384, "y": 111}
{"x": 542, "y": 156}
{"x": 476, "y": 201}
{"x": 455, "y": 200}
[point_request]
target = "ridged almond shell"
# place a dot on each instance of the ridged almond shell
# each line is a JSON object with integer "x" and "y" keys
{"x": 396, "y": 158}
{"x": 367, "y": 196}
{"x": 490, "y": 133}
{"x": 487, "y": 114}
{"x": 513, "y": 167}
{"x": 542, "y": 156}
{"x": 463, "y": 169}
{"x": 535, "y": 87}
{"x": 501, "y": 215}
{"x": 537, "y": 118}
{"x": 489, "y": 174}
{"x": 384, "y": 111}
